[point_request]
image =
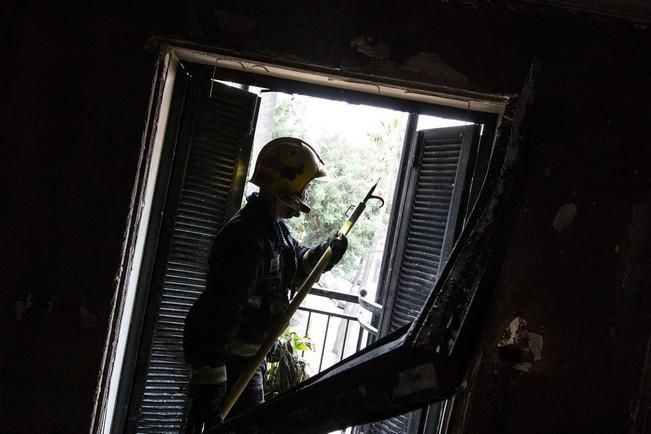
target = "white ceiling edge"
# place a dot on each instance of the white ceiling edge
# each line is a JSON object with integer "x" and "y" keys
{"x": 494, "y": 105}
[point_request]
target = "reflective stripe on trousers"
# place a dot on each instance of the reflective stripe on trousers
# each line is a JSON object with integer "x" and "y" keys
{"x": 208, "y": 375}
{"x": 244, "y": 349}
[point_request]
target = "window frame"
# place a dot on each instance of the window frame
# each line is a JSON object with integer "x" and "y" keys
{"x": 185, "y": 133}
{"x": 153, "y": 160}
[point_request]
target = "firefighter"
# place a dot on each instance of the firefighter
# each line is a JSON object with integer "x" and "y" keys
{"x": 253, "y": 265}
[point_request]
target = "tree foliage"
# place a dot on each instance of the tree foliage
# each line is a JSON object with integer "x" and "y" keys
{"x": 352, "y": 169}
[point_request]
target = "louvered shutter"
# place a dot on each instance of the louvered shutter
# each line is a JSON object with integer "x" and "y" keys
{"x": 432, "y": 207}
{"x": 440, "y": 164}
{"x": 206, "y": 188}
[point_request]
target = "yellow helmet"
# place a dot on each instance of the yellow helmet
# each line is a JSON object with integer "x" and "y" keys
{"x": 285, "y": 166}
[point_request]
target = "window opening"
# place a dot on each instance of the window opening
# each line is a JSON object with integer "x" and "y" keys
{"x": 359, "y": 144}
{"x": 320, "y": 122}
{"x": 343, "y": 134}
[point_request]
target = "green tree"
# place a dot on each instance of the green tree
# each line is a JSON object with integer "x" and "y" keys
{"x": 287, "y": 120}
{"x": 352, "y": 169}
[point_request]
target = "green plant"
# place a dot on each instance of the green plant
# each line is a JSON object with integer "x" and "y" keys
{"x": 285, "y": 366}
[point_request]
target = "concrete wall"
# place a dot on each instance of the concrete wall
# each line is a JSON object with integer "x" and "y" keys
{"x": 75, "y": 91}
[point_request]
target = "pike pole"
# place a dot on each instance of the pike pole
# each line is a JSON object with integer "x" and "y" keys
{"x": 233, "y": 394}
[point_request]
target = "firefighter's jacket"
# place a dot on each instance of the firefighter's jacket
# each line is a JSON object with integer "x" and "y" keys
{"x": 253, "y": 264}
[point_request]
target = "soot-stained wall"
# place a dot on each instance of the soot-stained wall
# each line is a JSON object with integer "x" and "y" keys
{"x": 74, "y": 99}
{"x": 574, "y": 283}
{"x": 565, "y": 343}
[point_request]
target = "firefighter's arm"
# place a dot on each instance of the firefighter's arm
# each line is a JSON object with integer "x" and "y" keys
{"x": 310, "y": 256}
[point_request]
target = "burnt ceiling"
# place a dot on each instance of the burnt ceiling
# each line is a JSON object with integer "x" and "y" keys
{"x": 638, "y": 11}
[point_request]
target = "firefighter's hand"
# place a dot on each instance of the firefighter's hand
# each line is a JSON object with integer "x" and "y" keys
{"x": 338, "y": 244}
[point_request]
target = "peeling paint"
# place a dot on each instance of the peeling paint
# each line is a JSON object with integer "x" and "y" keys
{"x": 565, "y": 217}
{"x": 520, "y": 347}
{"x": 536, "y": 345}
{"x": 431, "y": 64}
{"x": 516, "y": 332}
{"x": 366, "y": 46}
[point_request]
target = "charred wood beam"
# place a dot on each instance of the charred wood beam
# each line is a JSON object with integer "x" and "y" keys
{"x": 387, "y": 378}
{"x": 425, "y": 363}
{"x": 451, "y": 315}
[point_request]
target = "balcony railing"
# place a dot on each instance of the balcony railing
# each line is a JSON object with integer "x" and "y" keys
{"x": 337, "y": 324}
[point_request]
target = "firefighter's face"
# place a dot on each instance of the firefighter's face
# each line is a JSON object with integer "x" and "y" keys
{"x": 292, "y": 213}
{"x": 282, "y": 210}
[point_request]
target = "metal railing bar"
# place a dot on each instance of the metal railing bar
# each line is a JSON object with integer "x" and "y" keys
{"x": 371, "y": 306}
{"x": 364, "y": 327}
{"x": 307, "y": 329}
{"x": 336, "y": 295}
{"x": 325, "y": 339}
{"x": 323, "y": 312}
{"x": 343, "y": 345}
{"x": 367, "y": 326}
{"x": 359, "y": 338}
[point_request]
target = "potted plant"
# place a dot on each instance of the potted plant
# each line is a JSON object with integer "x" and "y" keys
{"x": 285, "y": 365}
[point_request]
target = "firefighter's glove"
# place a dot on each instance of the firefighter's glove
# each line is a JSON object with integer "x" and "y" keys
{"x": 338, "y": 244}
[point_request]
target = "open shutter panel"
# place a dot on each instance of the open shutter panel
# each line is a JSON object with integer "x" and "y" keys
{"x": 213, "y": 164}
{"x": 434, "y": 198}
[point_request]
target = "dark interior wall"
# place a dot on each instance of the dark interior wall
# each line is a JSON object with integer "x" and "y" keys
{"x": 74, "y": 100}
{"x": 577, "y": 266}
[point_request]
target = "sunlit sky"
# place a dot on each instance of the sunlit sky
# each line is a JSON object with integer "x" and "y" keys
{"x": 351, "y": 120}
{"x": 322, "y": 117}
{"x": 354, "y": 120}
